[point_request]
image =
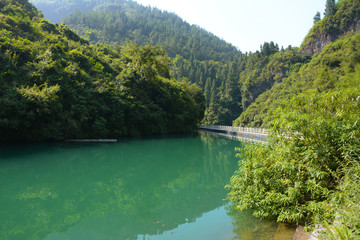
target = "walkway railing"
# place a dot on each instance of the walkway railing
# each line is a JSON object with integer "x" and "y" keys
{"x": 237, "y": 129}
{"x": 245, "y": 133}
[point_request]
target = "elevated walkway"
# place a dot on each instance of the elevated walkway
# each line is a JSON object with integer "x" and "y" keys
{"x": 243, "y": 133}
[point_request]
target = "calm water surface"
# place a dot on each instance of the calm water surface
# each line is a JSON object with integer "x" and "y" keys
{"x": 158, "y": 188}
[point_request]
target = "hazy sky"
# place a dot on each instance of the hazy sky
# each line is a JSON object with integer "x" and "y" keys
{"x": 248, "y": 23}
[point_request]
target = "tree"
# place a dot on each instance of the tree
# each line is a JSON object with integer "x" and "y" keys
{"x": 269, "y": 48}
{"x": 317, "y": 17}
{"x": 330, "y": 7}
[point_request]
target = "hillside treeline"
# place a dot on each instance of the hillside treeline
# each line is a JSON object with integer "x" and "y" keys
{"x": 54, "y": 85}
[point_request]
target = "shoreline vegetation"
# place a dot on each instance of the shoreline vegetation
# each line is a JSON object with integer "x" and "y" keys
{"x": 309, "y": 173}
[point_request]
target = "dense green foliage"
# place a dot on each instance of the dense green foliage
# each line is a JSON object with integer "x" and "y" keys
{"x": 341, "y": 219}
{"x": 330, "y": 7}
{"x": 198, "y": 55}
{"x": 317, "y": 17}
{"x": 234, "y": 84}
{"x": 54, "y": 85}
{"x": 230, "y": 80}
{"x": 146, "y": 25}
{"x": 270, "y": 76}
{"x": 266, "y": 68}
{"x": 230, "y": 88}
{"x": 309, "y": 172}
{"x": 56, "y": 10}
{"x": 238, "y": 84}
{"x": 314, "y": 146}
{"x": 336, "y": 67}
{"x": 340, "y": 20}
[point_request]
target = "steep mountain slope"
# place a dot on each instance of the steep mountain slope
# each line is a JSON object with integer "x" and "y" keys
{"x": 114, "y": 21}
{"x": 199, "y": 56}
{"x": 231, "y": 81}
{"x": 54, "y": 85}
{"x": 335, "y": 67}
{"x": 340, "y": 22}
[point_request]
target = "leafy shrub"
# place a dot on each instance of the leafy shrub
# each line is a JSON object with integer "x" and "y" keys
{"x": 315, "y": 137}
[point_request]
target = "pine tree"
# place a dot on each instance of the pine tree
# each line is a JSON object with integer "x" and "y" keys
{"x": 317, "y": 17}
{"x": 330, "y": 7}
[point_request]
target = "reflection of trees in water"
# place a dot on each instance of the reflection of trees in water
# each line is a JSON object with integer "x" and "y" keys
{"x": 106, "y": 190}
{"x": 218, "y": 156}
{"x": 248, "y": 227}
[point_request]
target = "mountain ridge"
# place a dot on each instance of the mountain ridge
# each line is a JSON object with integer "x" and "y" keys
{"x": 231, "y": 85}
{"x": 344, "y": 22}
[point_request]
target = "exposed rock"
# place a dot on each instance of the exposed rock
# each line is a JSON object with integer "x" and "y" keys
{"x": 317, "y": 44}
{"x": 301, "y": 234}
{"x": 345, "y": 22}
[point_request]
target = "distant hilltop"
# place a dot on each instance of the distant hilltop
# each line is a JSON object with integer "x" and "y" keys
{"x": 341, "y": 20}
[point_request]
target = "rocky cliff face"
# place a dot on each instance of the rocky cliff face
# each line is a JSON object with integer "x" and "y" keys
{"x": 344, "y": 23}
{"x": 317, "y": 44}
{"x": 320, "y": 39}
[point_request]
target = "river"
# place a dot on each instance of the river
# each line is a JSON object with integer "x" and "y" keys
{"x": 148, "y": 188}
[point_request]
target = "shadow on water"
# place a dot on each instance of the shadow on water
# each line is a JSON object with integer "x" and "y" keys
{"x": 124, "y": 190}
{"x": 248, "y": 227}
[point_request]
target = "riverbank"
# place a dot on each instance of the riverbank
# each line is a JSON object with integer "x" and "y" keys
{"x": 301, "y": 234}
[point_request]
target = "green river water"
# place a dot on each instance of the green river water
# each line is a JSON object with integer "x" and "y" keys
{"x": 149, "y": 188}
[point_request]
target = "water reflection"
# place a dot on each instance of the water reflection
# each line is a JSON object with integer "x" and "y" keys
{"x": 111, "y": 191}
{"x": 156, "y": 188}
{"x": 248, "y": 227}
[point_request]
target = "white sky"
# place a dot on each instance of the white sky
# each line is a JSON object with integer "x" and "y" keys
{"x": 247, "y": 23}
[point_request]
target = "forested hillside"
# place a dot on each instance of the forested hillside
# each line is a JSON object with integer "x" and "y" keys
{"x": 230, "y": 80}
{"x": 198, "y": 55}
{"x": 234, "y": 83}
{"x": 341, "y": 20}
{"x": 56, "y": 10}
{"x": 55, "y": 85}
{"x": 114, "y": 21}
